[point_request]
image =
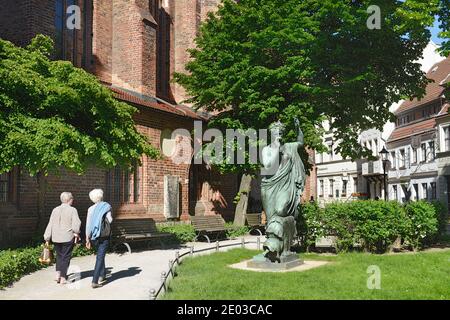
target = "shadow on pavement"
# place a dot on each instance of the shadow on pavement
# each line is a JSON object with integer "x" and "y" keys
{"x": 110, "y": 276}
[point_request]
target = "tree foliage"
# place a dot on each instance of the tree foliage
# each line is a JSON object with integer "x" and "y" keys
{"x": 55, "y": 115}
{"x": 258, "y": 61}
{"x": 444, "y": 20}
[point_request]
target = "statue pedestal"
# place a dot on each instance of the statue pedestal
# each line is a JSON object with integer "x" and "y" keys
{"x": 286, "y": 262}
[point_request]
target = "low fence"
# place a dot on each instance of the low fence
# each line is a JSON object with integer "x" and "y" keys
{"x": 167, "y": 276}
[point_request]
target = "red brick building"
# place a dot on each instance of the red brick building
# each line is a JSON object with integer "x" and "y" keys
{"x": 133, "y": 47}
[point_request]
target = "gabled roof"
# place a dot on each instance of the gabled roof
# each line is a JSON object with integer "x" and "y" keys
{"x": 413, "y": 129}
{"x": 156, "y": 104}
{"x": 440, "y": 74}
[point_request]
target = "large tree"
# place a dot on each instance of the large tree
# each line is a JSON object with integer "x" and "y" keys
{"x": 257, "y": 61}
{"x": 444, "y": 20}
{"x": 53, "y": 116}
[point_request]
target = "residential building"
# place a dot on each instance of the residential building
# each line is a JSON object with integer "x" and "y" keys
{"x": 417, "y": 144}
{"x": 443, "y": 155}
{"x": 363, "y": 178}
{"x": 337, "y": 177}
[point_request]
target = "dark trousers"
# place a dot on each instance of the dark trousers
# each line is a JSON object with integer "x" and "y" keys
{"x": 100, "y": 269}
{"x": 63, "y": 256}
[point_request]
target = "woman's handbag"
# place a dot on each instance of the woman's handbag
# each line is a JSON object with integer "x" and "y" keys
{"x": 46, "y": 255}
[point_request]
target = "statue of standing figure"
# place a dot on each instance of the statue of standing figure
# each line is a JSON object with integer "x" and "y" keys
{"x": 283, "y": 181}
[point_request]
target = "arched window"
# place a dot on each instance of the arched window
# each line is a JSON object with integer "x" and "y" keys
{"x": 74, "y": 45}
{"x": 123, "y": 186}
{"x": 9, "y": 186}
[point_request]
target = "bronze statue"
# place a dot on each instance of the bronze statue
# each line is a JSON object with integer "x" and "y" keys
{"x": 281, "y": 191}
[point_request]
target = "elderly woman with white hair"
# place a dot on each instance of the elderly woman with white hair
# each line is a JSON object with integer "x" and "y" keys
{"x": 98, "y": 231}
{"x": 63, "y": 230}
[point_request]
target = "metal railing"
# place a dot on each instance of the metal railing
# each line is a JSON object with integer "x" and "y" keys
{"x": 166, "y": 276}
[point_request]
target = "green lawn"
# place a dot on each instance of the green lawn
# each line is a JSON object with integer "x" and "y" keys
{"x": 403, "y": 276}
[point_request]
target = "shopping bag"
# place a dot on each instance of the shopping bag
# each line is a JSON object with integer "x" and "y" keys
{"x": 46, "y": 255}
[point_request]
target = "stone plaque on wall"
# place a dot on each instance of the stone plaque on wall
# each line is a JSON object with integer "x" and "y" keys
{"x": 171, "y": 197}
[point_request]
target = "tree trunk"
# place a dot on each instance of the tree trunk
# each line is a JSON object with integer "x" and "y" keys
{"x": 241, "y": 207}
{"x": 41, "y": 189}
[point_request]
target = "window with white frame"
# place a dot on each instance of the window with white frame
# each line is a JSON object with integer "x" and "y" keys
{"x": 321, "y": 188}
{"x": 319, "y": 157}
{"x": 446, "y": 138}
{"x": 433, "y": 190}
{"x": 330, "y": 151}
{"x": 393, "y": 160}
{"x": 402, "y": 158}
{"x": 344, "y": 188}
{"x": 330, "y": 192}
{"x": 425, "y": 191}
{"x": 414, "y": 155}
{"x": 395, "y": 192}
{"x": 416, "y": 191}
{"x": 423, "y": 152}
{"x": 432, "y": 154}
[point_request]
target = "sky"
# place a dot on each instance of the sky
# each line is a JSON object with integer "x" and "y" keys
{"x": 434, "y": 32}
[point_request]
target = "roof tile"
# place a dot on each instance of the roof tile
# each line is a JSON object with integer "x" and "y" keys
{"x": 179, "y": 110}
{"x": 434, "y": 90}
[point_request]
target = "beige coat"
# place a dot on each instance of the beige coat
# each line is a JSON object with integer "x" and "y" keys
{"x": 63, "y": 225}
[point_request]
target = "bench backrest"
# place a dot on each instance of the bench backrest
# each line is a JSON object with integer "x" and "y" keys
{"x": 133, "y": 226}
{"x": 253, "y": 219}
{"x": 207, "y": 222}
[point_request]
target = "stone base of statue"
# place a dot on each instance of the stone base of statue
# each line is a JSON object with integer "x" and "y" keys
{"x": 286, "y": 262}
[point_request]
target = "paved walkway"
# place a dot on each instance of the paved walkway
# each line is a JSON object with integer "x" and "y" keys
{"x": 131, "y": 276}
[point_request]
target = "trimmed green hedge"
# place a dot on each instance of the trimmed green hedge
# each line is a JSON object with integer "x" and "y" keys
{"x": 373, "y": 225}
{"x": 14, "y": 264}
{"x": 181, "y": 233}
{"x": 233, "y": 231}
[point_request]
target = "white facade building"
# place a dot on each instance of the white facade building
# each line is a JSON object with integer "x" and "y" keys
{"x": 337, "y": 178}
{"x": 417, "y": 140}
{"x": 443, "y": 155}
{"x": 341, "y": 179}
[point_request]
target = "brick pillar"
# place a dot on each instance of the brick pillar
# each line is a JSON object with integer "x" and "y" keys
{"x": 187, "y": 14}
{"x": 186, "y": 22}
{"x": 134, "y": 46}
{"x": 102, "y": 39}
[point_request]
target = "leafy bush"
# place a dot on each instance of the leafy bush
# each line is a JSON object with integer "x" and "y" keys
{"x": 233, "y": 231}
{"x": 422, "y": 223}
{"x": 81, "y": 251}
{"x": 373, "y": 225}
{"x": 379, "y": 223}
{"x": 310, "y": 224}
{"x": 182, "y": 233}
{"x": 442, "y": 215}
{"x": 14, "y": 264}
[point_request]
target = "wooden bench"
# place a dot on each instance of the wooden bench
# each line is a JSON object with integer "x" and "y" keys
{"x": 254, "y": 221}
{"x": 125, "y": 231}
{"x": 205, "y": 226}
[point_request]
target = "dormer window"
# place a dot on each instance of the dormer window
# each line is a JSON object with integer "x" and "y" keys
{"x": 447, "y": 79}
